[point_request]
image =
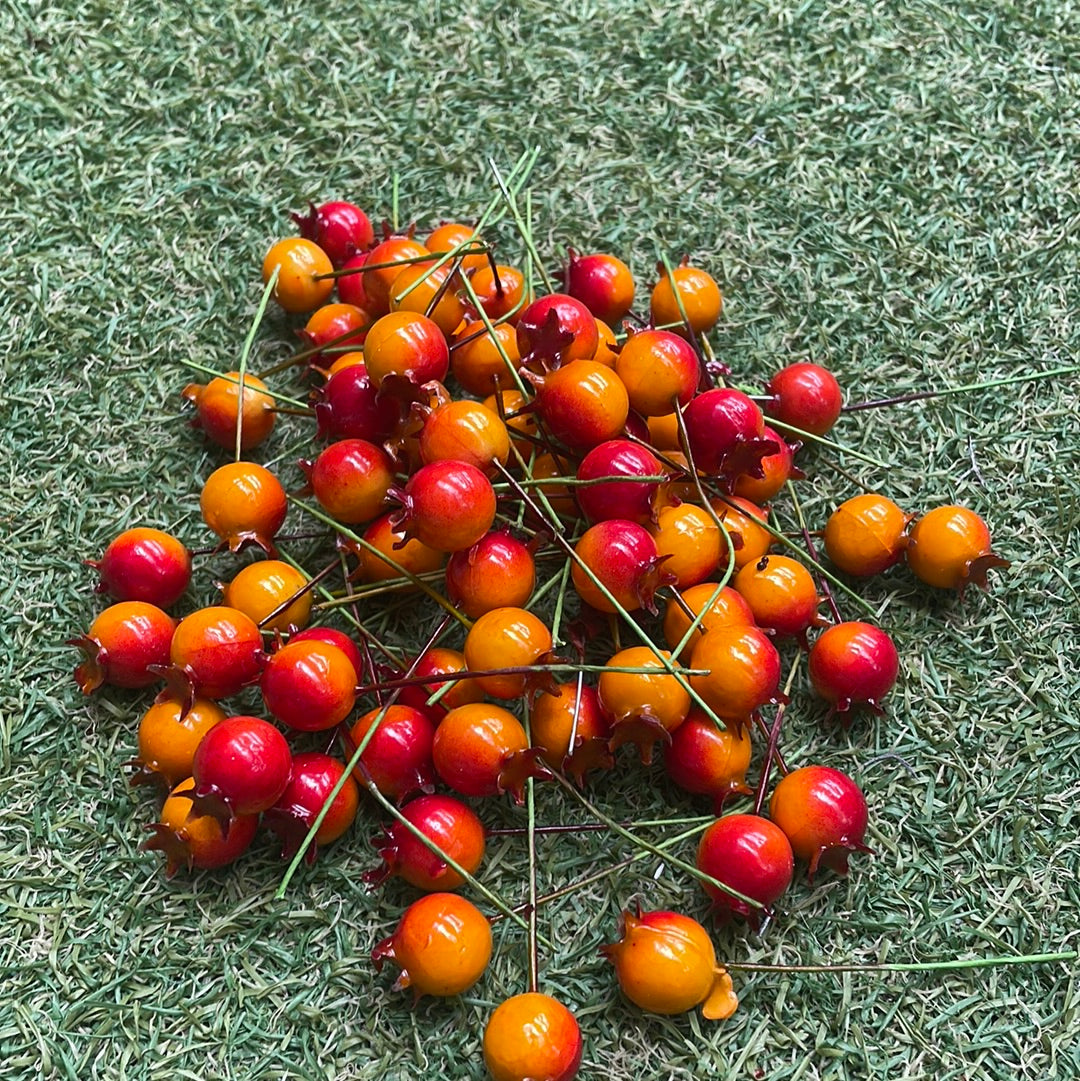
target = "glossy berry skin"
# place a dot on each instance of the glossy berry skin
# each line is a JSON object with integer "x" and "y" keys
{"x": 644, "y": 707}
{"x": 415, "y": 289}
{"x": 725, "y": 430}
{"x": 532, "y": 1037}
{"x": 777, "y": 470}
{"x": 397, "y": 756}
{"x": 751, "y": 855}
{"x": 477, "y": 363}
{"x": 622, "y": 555}
{"x": 393, "y": 553}
{"x": 865, "y": 535}
{"x": 434, "y": 662}
{"x": 453, "y": 234}
{"x": 824, "y": 815}
{"x": 448, "y": 506}
{"x": 498, "y": 571}
{"x": 501, "y": 293}
{"x": 558, "y": 495}
{"x": 244, "y": 503}
{"x": 122, "y": 644}
{"x": 570, "y": 729}
{"x": 666, "y": 963}
{"x": 726, "y": 609}
{"x": 442, "y": 944}
{"x": 299, "y": 263}
{"x": 243, "y": 763}
{"x": 805, "y": 396}
{"x": 385, "y": 262}
{"x": 688, "y": 542}
{"x": 333, "y": 637}
{"x": 334, "y": 325}
{"x": 632, "y": 500}
{"x": 607, "y": 346}
{"x": 603, "y": 283}
{"x": 218, "y": 402}
{"x": 218, "y": 649}
{"x": 349, "y": 407}
{"x": 197, "y": 841}
{"x": 743, "y": 523}
{"x": 261, "y": 588}
{"x": 744, "y": 671}
{"x": 853, "y": 664}
{"x": 144, "y": 565}
{"x": 341, "y": 229}
{"x": 446, "y": 822}
{"x": 465, "y": 431}
{"x": 406, "y": 344}
{"x": 949, "y": 547}
{"x": 350, "y": 286}
{"x": 351, "y": 479}
{"x": 557, "y": 328}
{"x": 169, "y": 736}
{"x": 699, "y": 293}
{"x": 582, "y": 403}
{"x": 313, "y": 778}
{"x": 709, "y": 760}
{"x": 309, "y": 686}
{"x": 505, "y": 638}
{"x": 658, "y": 369}
{"x": 782, "y": 595}
{"x": 482, "y": 750}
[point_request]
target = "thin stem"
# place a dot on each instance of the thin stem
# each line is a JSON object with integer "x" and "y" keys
{"x": 245, "y": 352}
{"x": 912, "y": 966}
{"x": 229, "y": 377}
{"x": 523, "y": 228}
{"x": 530, "y": 799}
{"x": 812, "y": 551}
{"x": 805, "y": 436}
{"x": 774, "y": 739}
{"x": 993, "y": 384}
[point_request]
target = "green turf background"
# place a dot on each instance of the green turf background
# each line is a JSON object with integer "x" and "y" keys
{"x": 888, "y": 188}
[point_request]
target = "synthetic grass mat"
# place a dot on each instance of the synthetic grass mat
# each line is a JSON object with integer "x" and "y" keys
{"x": 887, "y": 188}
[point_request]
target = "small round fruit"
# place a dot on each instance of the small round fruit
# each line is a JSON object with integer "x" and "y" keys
{"x": 309, "y": 686}
{"x": 500, "y": 292}
{"x": 169, "y": 735}
{"x": 193, "y": 840}
{"x": 333, "y": 637}
{"x": 144, "y": 565}
{"x": 448, "y": 506}
{"x": 448, "y": 824}
{"x": 688, "y": 542}
{"x": 218, "y": 402}
{"x": 244, "y": 503}
{"x": 349, "y": 406}
{"x": 505, "y": 638}
{"x": 557, "y": 328}
{"x": 435, "y": 662}
{"x": 752, "y": 856}
{"x": 498, "y": 571}
{"x": 853, "y": 664}
{"x": 824, "y": 815}
{"x": 123, "y": 644}
{"x": 416, "y": 288}
{"x": 465, "y": 431}
{"x": 699, "y": 293}
{"x": 570, "y": 729}
{"x": 218, "y": 650}
{"x": 242, "y": 763}
{"x": 666, "y": 963}
{"x": 477, "y": 362}
{"x": 621, "y": 556}
{"x": 582, "y": 403}
{"x": 341, "y": 229}
{"x": 777, "y": 470}
{"x": 442, "y": 944}
{"x": 452, "y": 234}
{"x": 603, "y": 283}
{"x": 949, "y": 547}
{"x": 406, "y": 344}
{"x": 659, "y": 370}
{"x": 261, "y": 588}
{"x": 725, "y": 608}
{"x": 805, "y": 396}
{"x": 743, "y": 524}
{"x": 313, "y": 778}
{"x": 781, "y": 593}
{"x": 865, "y": 535}
{"x": 350, "y": 480}
{"x": 532, "y": 1037}
{"x": 300, "y": 264}
{"x": 397, "y": 754}
{"x": 643, "y": 706}
{"x": 632, "y": 498}
{"x": 743, "y": 667}
{"x": 707, "y": 759}
{"x": 384, "y": 263}
{"x": 394, "y": 553}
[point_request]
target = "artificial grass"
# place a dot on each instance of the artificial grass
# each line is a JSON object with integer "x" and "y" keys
{"x": 888, "y": 190}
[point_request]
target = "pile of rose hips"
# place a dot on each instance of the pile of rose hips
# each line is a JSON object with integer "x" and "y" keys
{"x": 624, "y": 453}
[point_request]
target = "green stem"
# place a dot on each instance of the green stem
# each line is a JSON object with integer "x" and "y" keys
{"x": 911, "y": 966}
{"x": 245, "y": 352}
